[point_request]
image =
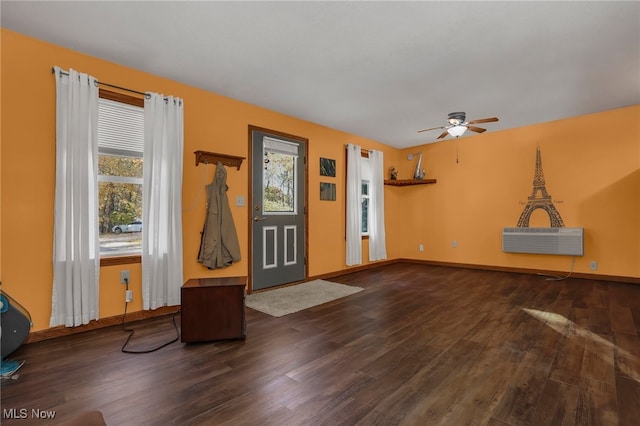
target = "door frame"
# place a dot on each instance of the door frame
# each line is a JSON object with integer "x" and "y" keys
{"x": 250, "y": 165}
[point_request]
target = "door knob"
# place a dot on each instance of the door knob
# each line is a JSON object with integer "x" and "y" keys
{"x": 258, "y": 218}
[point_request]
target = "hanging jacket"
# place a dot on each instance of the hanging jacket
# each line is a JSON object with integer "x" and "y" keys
{"x": 219, "y": 245}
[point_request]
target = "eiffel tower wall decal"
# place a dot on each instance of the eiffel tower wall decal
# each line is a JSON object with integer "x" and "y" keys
{"x": 539, "y": 199}
{"x": 553, "y": 240}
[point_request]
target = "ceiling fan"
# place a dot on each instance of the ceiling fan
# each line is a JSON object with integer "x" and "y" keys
{"x": 457, "y": 125}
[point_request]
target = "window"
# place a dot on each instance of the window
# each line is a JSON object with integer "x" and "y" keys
{"x": 279, "y": 177}
{"x": 120, "y": 152}
{"x": 364, "y": 193}
{"x": 364, "y": 205}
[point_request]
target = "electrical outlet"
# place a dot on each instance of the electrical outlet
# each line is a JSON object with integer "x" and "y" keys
{"x": 124, "y": 277}
{"x": 421, "y": 247}
{"x": 593, "y": 265}
{"x": 454, "y": 243}
{"x": 129, "y": 296}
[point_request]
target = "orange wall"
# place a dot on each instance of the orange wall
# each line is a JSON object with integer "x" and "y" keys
{"x": 212, "y": 123}
{"x": 594, "y": 174}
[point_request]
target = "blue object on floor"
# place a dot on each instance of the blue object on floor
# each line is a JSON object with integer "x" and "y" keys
{"x": 9, "y": 366}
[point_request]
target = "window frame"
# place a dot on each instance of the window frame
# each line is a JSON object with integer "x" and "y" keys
{"x": 139, "y": 102}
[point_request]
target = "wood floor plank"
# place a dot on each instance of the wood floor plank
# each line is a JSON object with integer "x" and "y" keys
{"x": 421, "y": 345}
{"x": 547, "y": 342}
{"x": 598, "y": 362}
{"x": 567, "y": 366}
{"x": 519, "y": 403}
{"x": 635, "y": 313}
{"x": 627, "y": 356}
{"x": 597, "y": 404}
{"x": 622, "y": 320}
{"x": 628, "y": 391}
{"x": 600, "y": 321}
{"x": 479, "y": 390}
{"x": 557, "y": 405}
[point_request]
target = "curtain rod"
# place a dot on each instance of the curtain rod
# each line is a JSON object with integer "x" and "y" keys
{"x": 105, "y": 84}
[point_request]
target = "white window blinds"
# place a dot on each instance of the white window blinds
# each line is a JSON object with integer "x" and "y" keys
{"x": 280, "y": 146}
{"x": 120, "y": 128}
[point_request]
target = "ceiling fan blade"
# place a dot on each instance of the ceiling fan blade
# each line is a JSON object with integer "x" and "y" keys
{"x": 476, "y": 129}
{"x": 445, "y": 133}
{"x": 483, "y": 120}
{"x": 433, "y": 128}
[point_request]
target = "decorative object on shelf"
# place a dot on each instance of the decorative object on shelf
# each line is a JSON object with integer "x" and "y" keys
{"x": 213, "y": 158}
{"x": 393, "y": 172}
{"x": 419, "y": 173}
{"x": 327, "y": 191}
{"x": 327, "y": 167}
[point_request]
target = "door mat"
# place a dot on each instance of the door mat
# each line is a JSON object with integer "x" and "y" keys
{"x": 295, "y": 298}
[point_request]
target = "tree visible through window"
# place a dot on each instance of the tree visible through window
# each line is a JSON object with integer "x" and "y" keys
{"x": 120, "y": 150}
{"x": 279, "y": 177}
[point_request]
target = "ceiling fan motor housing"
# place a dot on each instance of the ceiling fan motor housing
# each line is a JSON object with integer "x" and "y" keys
{"x": 456, "y": 118}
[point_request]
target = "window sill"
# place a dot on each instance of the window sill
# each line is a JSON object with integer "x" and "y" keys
{"x": 120, "y": 260}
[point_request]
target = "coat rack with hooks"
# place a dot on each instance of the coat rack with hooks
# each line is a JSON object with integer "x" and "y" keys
{"x": 213, "y": 158}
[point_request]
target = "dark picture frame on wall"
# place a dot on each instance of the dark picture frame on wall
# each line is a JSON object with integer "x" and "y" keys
{"x": 327, "y": 191}
{"x": 327, "y": 167}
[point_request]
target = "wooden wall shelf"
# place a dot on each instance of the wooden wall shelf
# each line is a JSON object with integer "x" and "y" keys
{"x": 213, "y": 158}
{"x": 407, "y": 182}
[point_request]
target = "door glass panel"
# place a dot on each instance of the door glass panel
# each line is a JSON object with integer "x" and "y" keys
{"x": 279, "y": 183}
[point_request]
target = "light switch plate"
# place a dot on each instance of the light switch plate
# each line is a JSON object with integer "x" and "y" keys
{"x": 239, "y": 200}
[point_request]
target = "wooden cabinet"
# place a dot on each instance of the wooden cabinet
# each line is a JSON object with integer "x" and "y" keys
{"x": 213, "y": 309}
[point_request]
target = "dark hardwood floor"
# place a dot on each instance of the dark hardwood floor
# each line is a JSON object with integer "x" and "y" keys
{"x": 421, "y": 345}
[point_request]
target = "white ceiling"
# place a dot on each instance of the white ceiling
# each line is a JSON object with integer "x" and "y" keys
{"x": 381, "y": 70}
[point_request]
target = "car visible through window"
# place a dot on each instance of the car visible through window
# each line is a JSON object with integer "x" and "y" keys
{"x": 129, "y": 227}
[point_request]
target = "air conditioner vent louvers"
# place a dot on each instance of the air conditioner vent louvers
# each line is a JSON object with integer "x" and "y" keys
{"x": 534, "y": 230}
{"x": 562, "y": 241}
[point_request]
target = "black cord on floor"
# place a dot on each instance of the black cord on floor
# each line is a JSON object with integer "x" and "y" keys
{"x": 131, "y": 332}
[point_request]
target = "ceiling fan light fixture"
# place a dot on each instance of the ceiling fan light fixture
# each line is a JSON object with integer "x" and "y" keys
{"x": 457, "y": 131}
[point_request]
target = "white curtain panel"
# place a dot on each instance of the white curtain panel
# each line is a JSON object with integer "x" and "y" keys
{"x": 76, "y": 250}
{"x": 377, "y": 235}
{"x": 354, "y": 206}
{"x": 162, "y": 201}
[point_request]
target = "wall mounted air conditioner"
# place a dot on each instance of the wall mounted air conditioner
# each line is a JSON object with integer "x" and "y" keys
{"x": 566, "y": 241}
